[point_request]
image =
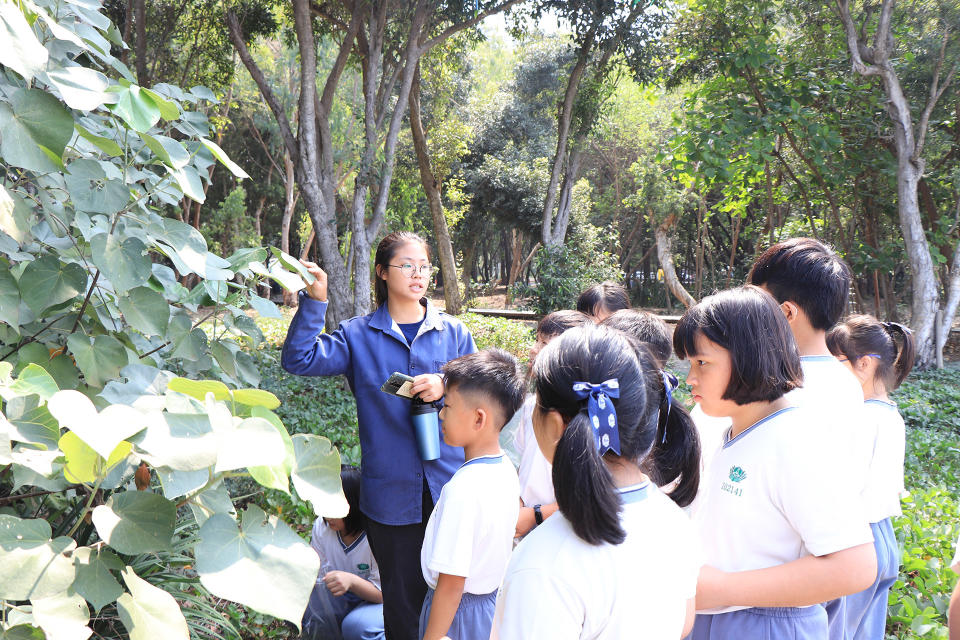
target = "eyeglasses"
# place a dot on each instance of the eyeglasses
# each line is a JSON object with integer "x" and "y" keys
{"x": 425, "y": 270}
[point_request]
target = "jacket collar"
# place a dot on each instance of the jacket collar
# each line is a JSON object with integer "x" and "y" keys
{"x": 380, "y": 319}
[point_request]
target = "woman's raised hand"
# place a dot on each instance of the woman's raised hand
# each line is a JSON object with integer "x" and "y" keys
{"x": 317, "y": 290}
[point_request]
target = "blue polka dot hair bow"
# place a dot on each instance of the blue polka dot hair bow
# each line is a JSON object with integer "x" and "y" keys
{"x": 603, "y": 416}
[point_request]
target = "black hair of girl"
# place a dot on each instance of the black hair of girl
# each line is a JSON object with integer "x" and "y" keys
{"x": 386, "y": 251}
{"x": 355, "y": 522}
{"x": 585, "y": 490}
{"x": 748, "y": 323}
{"x": 607, "y": 295}
{"x": 861, "y": 335}
{"x": 555, "y": 323}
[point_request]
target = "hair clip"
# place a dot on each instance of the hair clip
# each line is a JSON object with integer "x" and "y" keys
{"x": 896, "y": 325}
{"x": 670, "y": 383}
{"x": 600, "y": 409}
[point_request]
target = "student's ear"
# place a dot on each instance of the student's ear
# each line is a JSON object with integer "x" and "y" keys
{"x": 481, "y": 418}
{"x": 790, "y": 310}
{"x": 379, "y": 270}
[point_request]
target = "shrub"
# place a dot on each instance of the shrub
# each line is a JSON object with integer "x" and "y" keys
{"x": 510, "y": 335}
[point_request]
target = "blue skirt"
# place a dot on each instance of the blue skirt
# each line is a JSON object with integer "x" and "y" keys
{"x": 763, "y": 623}
{"x": 473, "y": 620}
{"x": 864, "y": 614}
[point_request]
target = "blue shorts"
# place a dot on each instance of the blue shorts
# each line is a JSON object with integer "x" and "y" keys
{"x": 763, "y": 623}
{"x": 473, "y": 620}
{"x": 863, "y": 615}
{"x": 347, "y": 616}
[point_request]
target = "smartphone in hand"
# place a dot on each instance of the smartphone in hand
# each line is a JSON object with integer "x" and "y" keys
{"x": 398, "y": 384}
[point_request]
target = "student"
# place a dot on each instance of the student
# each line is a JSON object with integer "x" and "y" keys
{"x": 953, "y": 617}
{"x": 346, "y": 601}
{"x": 645, "y": 327}
{"x": 537, "y": 500}
{"x": 470, "y": 533}
{"x": 781, "y": 533}
{"x": 880, "y": 355}
{"x": 600, "y": 300}
{"x": 404, "y": 334}
{"x": 812, "y": 283}
{"x": 620, "y": 559}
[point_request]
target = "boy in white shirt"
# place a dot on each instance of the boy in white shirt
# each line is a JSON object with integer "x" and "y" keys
{"x": 469, "y": 536}
{"x": 811, "y": 283}
{"x": 953, "y": 616}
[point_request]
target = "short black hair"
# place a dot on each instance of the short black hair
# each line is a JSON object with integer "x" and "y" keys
{"x": 553, "y": 324}
{"x": 645, "y": 327}
{"x": 354, "y": 522}
{"x": 607, "y": 295}
{"x": 808, "y": 273}
{"x": 749, "y": 324}
{"x": 493, "y": 373}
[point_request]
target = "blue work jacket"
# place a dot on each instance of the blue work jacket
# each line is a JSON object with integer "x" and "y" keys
{"x": 367, "y": 349}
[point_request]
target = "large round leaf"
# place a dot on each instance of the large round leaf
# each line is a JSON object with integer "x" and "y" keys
{"x": 33, "y": 379}
{"x": 180, "y": 441}
{"x": 149, "y": 613}
{"x": 103, "y": 431}
{"x": 253, "y": 442}
{"x": 100, "y": 359}
{"x": 37, "y": 426}
{"x": 264, "y": 565}
{"x": 10, "y": 309}
{"x": 136, "y": 522}
{"x": 63, "y": 616}
{"x": 122, "y": 260}
{"x": 16, "y": 216}
{"x": 220, "y": 155}
{"x": 31, "y": 564}
{"x": 91, "y": 190}
{"x": 81, "y": 88}
{"x": 94, "y": 580}
{"x": 146, "y": 310}
{"x": 276, "y": 476}
{"x": 35, "y": 129}
{"x": 316, "y": 475}
{"x": 21, "y": 51}
{"x": 83, "y": 464}
{"x": 135, "y": 107}
{"x": 48, "y": 282}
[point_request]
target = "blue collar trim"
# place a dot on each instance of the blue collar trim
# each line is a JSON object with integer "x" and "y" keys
{"x": 634, "y": 493}
{"x": 816, "y": 358}
{"x": 380, "y": 319}
{"x": 883, "y": 403}
{"x": 728, "y": 441}
{"x": 353, "y": 545}
{"x": 483, "y": 460}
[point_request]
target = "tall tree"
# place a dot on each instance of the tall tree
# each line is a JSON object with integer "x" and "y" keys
{"x": 876, "y": 57}
{"x": 387, "y": 38}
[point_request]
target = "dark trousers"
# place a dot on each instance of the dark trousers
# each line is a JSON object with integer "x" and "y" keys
{"x": 397, "y": 551}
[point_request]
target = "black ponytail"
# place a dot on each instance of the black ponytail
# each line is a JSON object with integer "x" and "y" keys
{"x": 906, "y": 353}
{"x": 584, "y": 487}
{"x": 676, "y": 454}
{"x": 586, "y": 494}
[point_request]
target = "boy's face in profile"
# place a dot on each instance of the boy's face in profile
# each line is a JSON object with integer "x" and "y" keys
{"x": 460, "y": 420}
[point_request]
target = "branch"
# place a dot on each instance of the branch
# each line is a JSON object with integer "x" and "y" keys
{"x": 936, "y": 92}
{"x": 333, "y": 78}
{"x": 236, "y": 37}
{"x": 329, "y": 17}
{"x": 460, "y": 26}
{"x": 853, "y": 43}
{"x": 882, "y": 38}
{"x": 266, "y": 149}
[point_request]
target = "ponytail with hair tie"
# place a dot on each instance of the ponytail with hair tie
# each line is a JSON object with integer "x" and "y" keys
{"x": 905, "y": 330}
{"x": 670, "y": 383}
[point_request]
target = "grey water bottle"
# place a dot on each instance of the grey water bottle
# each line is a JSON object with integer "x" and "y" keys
{"x": 426, "y": 427}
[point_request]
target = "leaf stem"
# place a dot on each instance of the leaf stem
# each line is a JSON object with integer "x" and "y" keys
{"x": 86, "y": 508}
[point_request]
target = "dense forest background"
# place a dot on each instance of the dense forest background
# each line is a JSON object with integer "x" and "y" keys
{"x": 548, "y": 143}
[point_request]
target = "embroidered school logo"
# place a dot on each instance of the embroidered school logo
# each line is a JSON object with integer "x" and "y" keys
{"x": 737, "y": 474}
{"x": 363, "y": 570}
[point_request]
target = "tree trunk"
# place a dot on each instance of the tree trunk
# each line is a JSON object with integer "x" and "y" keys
{"x": 469, "y": 258}
{"x": 290, "y": 204}
{"x": 140, "y": 23}
{"x": 664, "y": 236}
{"x": 565, "y": 203}
{"x": 448, "y": 265}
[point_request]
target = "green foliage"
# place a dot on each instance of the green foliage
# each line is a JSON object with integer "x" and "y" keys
{"x": 510, "y": 335}
{"x": 230, "y": 228}
{"x": 928, "y": 529}
{"x": 101, "y": 348}
{"x": 563, "y": 272}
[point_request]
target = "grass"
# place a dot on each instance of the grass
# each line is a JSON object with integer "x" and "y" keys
{"x": 927, "y": 531}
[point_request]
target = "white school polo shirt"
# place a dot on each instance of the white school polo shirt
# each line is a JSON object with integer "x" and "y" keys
{"x": 355, "y": 558}
{"x": 559, "y": 587}
{"x": 771, "y": 497}
{"x": 881, "y": 496}
{"x": 470, "y": 532}
{"x": 711, "y": 432}
{"x": 534, "y": 472}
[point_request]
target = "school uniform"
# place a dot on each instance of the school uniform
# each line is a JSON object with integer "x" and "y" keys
{"x": 866, "y": 612}
{"x": 397, "y": 488}
{"x": 533, "y": 470}
{"x": 771, "y": 498}
{"x": 348, "y": 615}
{"x": 711, "y": 432}
{"x": 470, "y": 534}
{"x": 559, "y": 587}
{"x": 832, "y": 391}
